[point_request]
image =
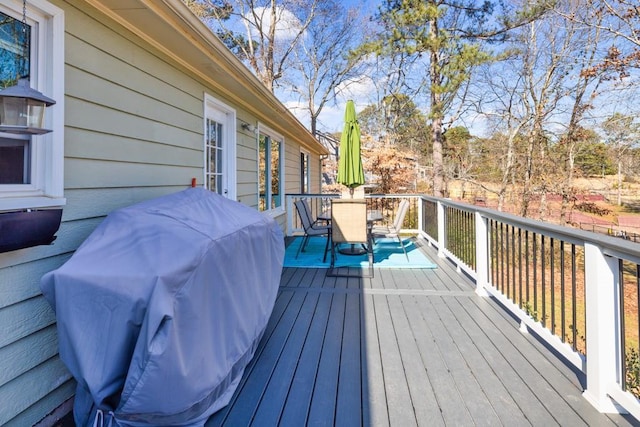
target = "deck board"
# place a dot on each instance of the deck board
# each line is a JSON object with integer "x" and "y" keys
{"x": 396, "y": 388}
{"x": 323, "y": 403}
{"x": 284, "y": 371}
{"x": 423, "y": 398}
{"x": 303, "y": 382}
{"x": 406, "y": 347}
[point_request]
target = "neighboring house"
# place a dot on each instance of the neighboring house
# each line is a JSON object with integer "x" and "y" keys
{"x": 147, "y": 99}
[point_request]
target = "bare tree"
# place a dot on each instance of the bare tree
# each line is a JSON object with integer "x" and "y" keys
{"x": 262, "y": 33}
{"x": 324, "y": 59}
{"x": 538, "y": 100}
{"x": 622, "y": 135}
{"x": 581, "y": 83}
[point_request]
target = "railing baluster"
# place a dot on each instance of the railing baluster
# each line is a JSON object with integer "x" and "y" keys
{"x": 562, "y": 295}
{"x": 623, "y": 361}
{"x": 552, "y": 258}
{"x": 543, "y": 255}
{"x": 574, "y": 311}
{"x": 535, "y": 276}
{"x": 526, "y": 258}
{"x": 494, "y": 253}
{"x": 520, "y": 267}
{"x": 513, "y": 261}
{"x": 502, "y": 251}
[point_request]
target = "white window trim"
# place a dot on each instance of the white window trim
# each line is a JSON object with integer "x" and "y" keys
{"x": 47, "y": 188}
{"x": 230, "y": 143}
{"x": 263, "y": 129}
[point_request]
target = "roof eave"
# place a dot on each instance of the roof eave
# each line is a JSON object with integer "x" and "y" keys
{"x": 172, "y": 28}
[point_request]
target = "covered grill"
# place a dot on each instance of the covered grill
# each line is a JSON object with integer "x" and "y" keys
{"x": 161, "y": 308}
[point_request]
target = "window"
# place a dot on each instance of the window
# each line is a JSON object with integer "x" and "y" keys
{"x": 219, "y": 147}
{"x": 304, "y": 173}
{"x": 270, "y": 170}
{"x": 31, "y": 167}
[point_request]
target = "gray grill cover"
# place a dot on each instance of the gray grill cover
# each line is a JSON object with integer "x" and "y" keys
{"x": 161, "y": 308}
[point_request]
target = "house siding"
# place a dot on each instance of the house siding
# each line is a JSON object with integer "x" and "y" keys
{"x": 133, "y": 131}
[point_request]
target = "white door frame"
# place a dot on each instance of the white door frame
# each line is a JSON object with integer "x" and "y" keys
{"x": 222, "y": 113}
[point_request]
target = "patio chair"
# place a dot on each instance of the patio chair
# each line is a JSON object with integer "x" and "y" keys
{"x": 311, "y": 227}
{"x": 393, "y": 230}
{"x": 349, "y": 225}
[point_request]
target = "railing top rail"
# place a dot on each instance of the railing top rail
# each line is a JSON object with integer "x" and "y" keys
{"x": 611, "y": 245}
{"x": 313, "y": 195}
{"x": 368, "y": 196}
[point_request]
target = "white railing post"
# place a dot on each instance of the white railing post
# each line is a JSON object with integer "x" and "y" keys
{"x": 482, "y": 254}
{"x": 442, "y": 238}
{"x": 602, "y": 313}
{"x": 420, "y": 222}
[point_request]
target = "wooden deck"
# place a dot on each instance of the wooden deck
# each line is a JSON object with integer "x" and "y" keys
{"x": 407, "y": 347}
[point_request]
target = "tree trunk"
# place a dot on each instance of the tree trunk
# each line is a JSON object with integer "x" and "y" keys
{"x": 567, "y": 188}
{"x": 437, "y": 162}
{"x": 619, "y": 182}
{"x": 436, "y": 112}
{"x": 528, "y": 173}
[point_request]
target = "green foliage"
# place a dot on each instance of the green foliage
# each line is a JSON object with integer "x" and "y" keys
{"x": 433, "y": 29}
{"x": 528, "y": 308}
{"x": 210, "y": 11}
{"x": 457, "y": 150}
{"x": 237, "y": 43}
{"x": 593, "y": 160}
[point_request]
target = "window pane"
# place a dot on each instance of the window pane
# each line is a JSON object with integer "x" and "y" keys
{"x": 14, "y": 161}
{"x": 304, "y": 173}
{"x": 14, "y": 50}
{"x": 219, "y": 148}
{"x": 275, "y": 174}
{"x": 262, "y": 172}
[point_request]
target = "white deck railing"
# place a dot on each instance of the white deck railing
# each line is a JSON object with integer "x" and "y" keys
{"x": 576, "y": 290}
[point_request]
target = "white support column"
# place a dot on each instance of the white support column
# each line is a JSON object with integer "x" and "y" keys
{"x": 482, "y": 255}
{"x": 602, "y": 313}
{"x": 442, "y": 238}
{"x": 290, "y": 213}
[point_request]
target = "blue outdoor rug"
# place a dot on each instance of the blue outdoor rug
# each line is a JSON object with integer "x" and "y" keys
{"x": 387, "y": 253}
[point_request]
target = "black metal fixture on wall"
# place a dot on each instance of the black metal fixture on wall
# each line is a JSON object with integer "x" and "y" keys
{"x": 22, "y": 109}
{"x": 28, "y": 228}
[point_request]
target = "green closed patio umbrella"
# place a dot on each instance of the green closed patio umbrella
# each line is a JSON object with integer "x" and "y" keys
{"x": 350, "y": 171}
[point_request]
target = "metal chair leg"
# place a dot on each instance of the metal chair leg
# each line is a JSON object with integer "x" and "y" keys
{"x": 402, "y": 244}
{"x": 302, "y": 245}
{"x": 326, "y": 247}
